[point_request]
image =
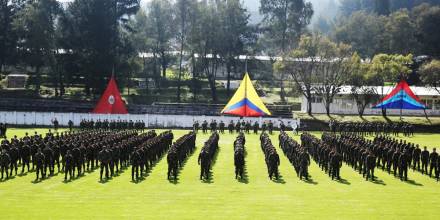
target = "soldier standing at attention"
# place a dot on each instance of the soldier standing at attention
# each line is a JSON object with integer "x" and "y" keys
{"x": 196, "y": 126}
{"x": 222, "y": 127}
{"x": 38, "y": 160}
{"x": 68, "y": 161}
{"x": 425, "y": 160}
{"x": 4, "y": 163}
{"x": 231, "y": 127}
{"x": 270, "y": 127}
{"x": 433, "y": 157}
{"x": 205, "y": 126}
{"x": 256, "y": 127}
{"x": 416, "y": 158}
{"x": 70, "y": 123}
{"x": 264, "y": 127}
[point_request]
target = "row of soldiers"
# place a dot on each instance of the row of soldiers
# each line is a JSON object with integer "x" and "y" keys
{"x": 239, "y": 126}
{"x": 271, "y": 156}
{"x": 3, "y": 129}
{"x": 179, "y": 152}
{"x": 364, "y": 155}
{"x": 328, "y": 157}
{"x": 239, "y": 154}
{"x": 207, "y": 154}
{"x": 296, "y": 153}
{"x": 73, "y": 150}
{"x": 372, "y": 128}
{"x": 112, "y": 125}
{"x": 390, "y": 148}
{"x": 148, "y": 151}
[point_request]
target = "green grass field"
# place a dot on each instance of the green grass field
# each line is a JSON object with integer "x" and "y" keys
{"x": 224, "y": 197}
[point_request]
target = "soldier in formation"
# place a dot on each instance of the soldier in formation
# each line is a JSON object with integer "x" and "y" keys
{"x": 297, "y": 154}
{"x": 207, "y": 154}
{"x": 179, "y": 152}
{"x": 271, "y": 156}
{"x": 239, "y": 154}
{"x": 372, "y": 128}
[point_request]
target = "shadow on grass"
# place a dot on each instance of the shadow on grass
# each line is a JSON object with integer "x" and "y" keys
{"x": 179, "y": 170}
{"x": 343, "y": 181}
{"x": 378, "y": 181}
{"x": 280, "y": 180}
{"x": 310, "y": 180}
{"x": 413, "y": 182}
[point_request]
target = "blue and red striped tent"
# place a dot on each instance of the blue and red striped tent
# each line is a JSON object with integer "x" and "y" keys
{"x": 402, "y": 97}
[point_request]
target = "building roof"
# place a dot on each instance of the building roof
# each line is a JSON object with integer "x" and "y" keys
{"x": 17, "y": 75}
{"x": 419, "y": 91}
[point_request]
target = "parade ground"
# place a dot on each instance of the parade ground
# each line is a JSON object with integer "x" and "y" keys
{"x": 223, "y": 197}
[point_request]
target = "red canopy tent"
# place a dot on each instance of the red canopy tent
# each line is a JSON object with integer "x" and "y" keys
{"x": 111, "y": 101}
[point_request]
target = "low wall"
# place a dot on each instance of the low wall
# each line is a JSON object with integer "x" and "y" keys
{"x": 151, "y": 120}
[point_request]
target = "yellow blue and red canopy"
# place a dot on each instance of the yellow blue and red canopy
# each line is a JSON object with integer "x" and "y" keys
{"x": 246, "y": 102}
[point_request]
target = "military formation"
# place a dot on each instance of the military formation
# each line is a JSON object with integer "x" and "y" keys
{"x": 328, "y": 157}
{"x": 242, "y": 126}
{"x": 207, "y": 154}
{"x": 271, "y": 156}
{"x": 179, "y": 152}
{"x": 76, "y": 152}
{"x": 296, "y": 153}
{"x": 239, "y": 155}
{"x": 111, "y": 125}
{"x": 372, "y": 128}
{"x": 148, "y": 149}
{"x": 71, "y": 152}
{"x": 401, "y": 156}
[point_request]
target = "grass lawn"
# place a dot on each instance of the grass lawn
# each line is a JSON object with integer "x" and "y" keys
{"x": 224, "y": 197}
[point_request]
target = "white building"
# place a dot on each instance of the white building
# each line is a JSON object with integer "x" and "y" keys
{"x": 344, "y": 103}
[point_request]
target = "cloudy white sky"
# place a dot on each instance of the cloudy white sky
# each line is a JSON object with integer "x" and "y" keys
{"x": 320, "y": 6}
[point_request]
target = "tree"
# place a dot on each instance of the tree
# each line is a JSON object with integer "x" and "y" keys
{"x": 285, "y": 21}
{"x": 161, "y": 26}
{"x": 427, "y": 19}
{"x": 401, "y": 33}
{"x": 9, "y": 10}
{"x": 389, "y": 68}
{"x": 183, "y": 9}
{"x": 237, "y": 35}
{"x": 333, "y": 70}
{"x": 35, "y": 25}
{"x": 430, "y": 74}
{"x": 360, "y": 83}
{"x": 366, "y": 33}
{"x": 94, "y": 33}
{"x": 317, "y": 65}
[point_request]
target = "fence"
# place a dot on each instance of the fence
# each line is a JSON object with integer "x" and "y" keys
{"x": 151, "y": 120}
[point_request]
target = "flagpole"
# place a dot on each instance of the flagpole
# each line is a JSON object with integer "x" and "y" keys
{"x": 401, "y": 101}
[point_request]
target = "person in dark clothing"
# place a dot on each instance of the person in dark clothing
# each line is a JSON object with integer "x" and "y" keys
{"x": 70, "y": 123}
{"x": 68, "y": 165}
{"x": 425, "y": 160}
{"x": 39, "y": 160}
{"x": 5, "y": 160}
{"x": 416, "y": 158}
{"x": 25, "y": 157}
{"x": 433, "y": 159}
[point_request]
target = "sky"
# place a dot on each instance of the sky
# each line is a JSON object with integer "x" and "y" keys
{"x": 320, "y": 7}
